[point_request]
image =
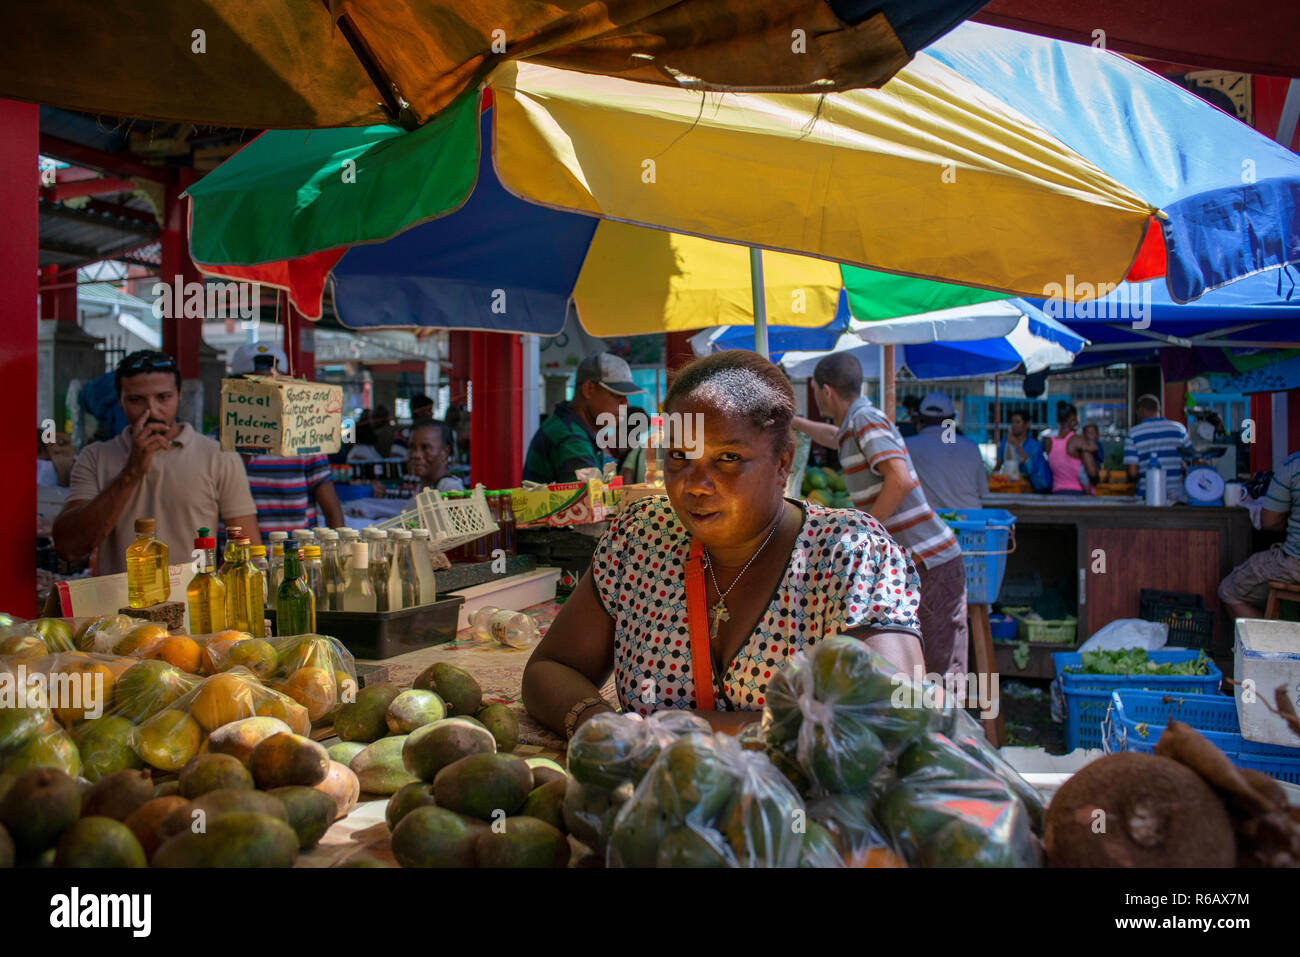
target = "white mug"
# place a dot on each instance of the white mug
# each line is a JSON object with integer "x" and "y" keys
{"x": 1233, "y": 493}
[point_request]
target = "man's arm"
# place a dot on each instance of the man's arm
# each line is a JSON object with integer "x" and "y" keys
{"x": 1271, "y": 520}
{"x": 327, "y": 500}
{"x": 898, "y": 482}
{"x": 247, "y": 525}
{"x": 823, "y": 433}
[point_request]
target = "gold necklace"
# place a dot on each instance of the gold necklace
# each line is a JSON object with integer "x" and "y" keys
{"x": 718, "y": 612}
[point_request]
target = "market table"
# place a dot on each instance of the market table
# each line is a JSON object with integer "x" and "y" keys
{"x": 499, "y": 670}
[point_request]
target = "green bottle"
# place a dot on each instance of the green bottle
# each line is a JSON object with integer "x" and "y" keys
{"x": 295, "y": 605}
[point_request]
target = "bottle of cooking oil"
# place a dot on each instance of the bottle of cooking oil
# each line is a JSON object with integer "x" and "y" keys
{"x": 245, "y": 602}
{"x": 206, "y": 594}
{"x": 147, "y": 581}
{"x": 228, "y": 556}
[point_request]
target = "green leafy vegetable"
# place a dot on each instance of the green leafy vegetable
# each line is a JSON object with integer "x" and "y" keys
{"x": 1135, "y": 661}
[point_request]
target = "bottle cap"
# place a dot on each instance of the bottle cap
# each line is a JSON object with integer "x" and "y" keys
{"x": 145, "y": 526}
{"x": 400, "y": 534}
{"x": 259, "y": 551}
{"x": 277, "y": 536}
{"x": 360, "y": 554}
{"x": 205, "y": 532}
{"x": 327, "y": 535}
{"x": 277, "y": 550}
{"x": 420, "y": 533}
{"x": 311, "y": 551}
{"x": 232, "y": 531}
{"x": 205, "y": 542}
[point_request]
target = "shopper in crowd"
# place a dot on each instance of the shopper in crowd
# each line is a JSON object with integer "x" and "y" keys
{"x": 1090, "y": 467}
{"x": 1067, "y": 452}
{"x": 567, "y": 440}
{"x": 949, "y": 466}
{"x": 365, "y": 449}
{"x": 156, "y": 468}
{"x": 427, "y": 459}
{"x": 1017, "y": 447}
{"x": 908, "y": 421}
{"x": 421, "y": 409}
{"x": 777, "y": 575}
{"x": 882, "y": 480}
{"x": 1245, "y": 591}
{"x": 1169, "y": 442}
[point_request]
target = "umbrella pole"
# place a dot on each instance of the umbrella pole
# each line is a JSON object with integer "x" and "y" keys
{"x": 760, "y": 301}
{"x": 997, "y": 413}
{"x": 887, "y": 377}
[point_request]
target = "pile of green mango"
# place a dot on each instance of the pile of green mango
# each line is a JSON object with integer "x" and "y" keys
{"x": 823, "y": 486}
{"x": 884, "y": 765}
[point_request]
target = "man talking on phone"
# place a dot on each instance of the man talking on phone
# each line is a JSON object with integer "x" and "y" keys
{"x": 156, "y": 468}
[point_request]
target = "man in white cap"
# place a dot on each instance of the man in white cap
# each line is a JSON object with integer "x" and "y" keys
{"x": 567, "y": 440}
{"x": 293, "y": 491}
{"x": 949, "y": 466}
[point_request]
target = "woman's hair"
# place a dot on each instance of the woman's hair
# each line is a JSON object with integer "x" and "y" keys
{"x": 740, "y": 384}
{"x": 1064, "y": 410}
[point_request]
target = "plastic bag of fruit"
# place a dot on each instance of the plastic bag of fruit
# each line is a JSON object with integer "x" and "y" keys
{"x": 945, "y": 809}
{"x": 171, "y": 735}
{"x": 839, "y": 713}
{"x": 608, "y": 756}
{"x": 966, "y": 733}
{"x": 843, "y": 832}
{"x": 708, "y": 802}
{"x": 41, "y": 636}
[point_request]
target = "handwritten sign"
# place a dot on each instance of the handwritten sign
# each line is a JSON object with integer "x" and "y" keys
{"x": 280, "y": 416}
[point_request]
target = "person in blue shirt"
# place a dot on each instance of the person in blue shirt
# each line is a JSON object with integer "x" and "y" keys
{"x": 1017, "y": 446}
{"x": 1164, "y": 438}
{"x": 1245, "y": 590}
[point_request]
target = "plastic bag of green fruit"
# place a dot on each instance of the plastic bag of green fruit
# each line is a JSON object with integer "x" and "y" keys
{"x": 837, "y": 714}
{"x": 708, "y": 802}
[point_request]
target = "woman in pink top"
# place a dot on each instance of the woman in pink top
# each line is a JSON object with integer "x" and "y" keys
{"x": 1066, "y": 452}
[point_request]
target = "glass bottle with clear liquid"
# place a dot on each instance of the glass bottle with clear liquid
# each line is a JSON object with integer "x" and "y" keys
{"x": 206, "y": 594}
{"x": 359, "y": 596}
{"x": 295, "y": 605}
{"x": 408, "y": 578}
{"x": 313, "y": 573}
{"x": 331, "y": 576}
{"x": 275, "y": 567}
{"x": 257, "y": 554}
{"x": 147, "y": 579}
{"x": 511, "y": 628}
{"x": 395, "y": 601}
{"x": 378, "y": 573}
{"x": 347, "y": 538}
{"x": 421, "y": 538}
{"x": 245, "y": 602}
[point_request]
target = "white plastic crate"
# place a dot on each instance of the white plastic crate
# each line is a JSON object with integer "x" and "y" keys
{"x": 451, "y": 522}
{"x": 1266, "y": 653}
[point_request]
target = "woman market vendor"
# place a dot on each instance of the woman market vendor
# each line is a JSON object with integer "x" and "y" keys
{"x": 725, "y": 563}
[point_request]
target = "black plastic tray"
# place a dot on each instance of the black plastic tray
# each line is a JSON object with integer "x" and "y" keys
{"x": 385, "y": 634}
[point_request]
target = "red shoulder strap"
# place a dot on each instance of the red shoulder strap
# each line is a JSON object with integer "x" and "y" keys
{"x": 697, "y": 620}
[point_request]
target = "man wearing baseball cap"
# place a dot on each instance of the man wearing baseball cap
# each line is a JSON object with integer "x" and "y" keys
{"x": 567, "y": 440}
{"x": 948, "y": 465}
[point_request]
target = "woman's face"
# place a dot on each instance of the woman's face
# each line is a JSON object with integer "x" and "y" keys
{"x": 725, "y": 480}
{"x": 1071, "y": 423}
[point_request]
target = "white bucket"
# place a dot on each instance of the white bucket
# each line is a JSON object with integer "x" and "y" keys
{"x": 1266, "y": 654}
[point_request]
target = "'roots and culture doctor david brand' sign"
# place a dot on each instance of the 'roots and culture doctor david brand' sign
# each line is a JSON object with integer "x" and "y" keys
{"x": 280, "y": 416}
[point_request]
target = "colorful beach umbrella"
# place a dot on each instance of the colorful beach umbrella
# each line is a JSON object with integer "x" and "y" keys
{"x": 262, "y": 64}
{"x": 996, "y": 160}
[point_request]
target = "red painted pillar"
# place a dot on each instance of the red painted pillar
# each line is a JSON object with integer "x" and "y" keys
{"x": 299, "y": 340}
{"x": 1261, "y": 450}
{"x": 180, "y": 336}
{"x": 496, "y": 421}
{"x": 19, "y": 145}
{"x": 1173, "y": 401}
{"x": 677, "y": 353}
{"x": 59, "y": 294}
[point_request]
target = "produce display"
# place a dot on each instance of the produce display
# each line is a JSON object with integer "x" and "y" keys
{"x": 823, "y": 486}
{"x": 1134, "y": 661}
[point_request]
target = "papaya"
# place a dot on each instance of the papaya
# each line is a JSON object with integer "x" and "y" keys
{"x": 285, "y": 759}
{"x": 485, "y": 786}
{"x": 99, "y": 842}
{"x": 413, "y": 709}
{"x": 238, "y": 839}
{"x": 434, "y": 837}
{"x": 342, "y": 786}
{"x": 365, "y": 718}
{"x": 310, "y": 812}
{"x": 522, "y": 842}
{"x": 431, "y": 748}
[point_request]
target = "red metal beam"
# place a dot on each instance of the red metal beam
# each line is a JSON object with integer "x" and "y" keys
{"x": 118, "y": 164}
{"x": 88, "y": 187}
{"x": 19, "y": 129}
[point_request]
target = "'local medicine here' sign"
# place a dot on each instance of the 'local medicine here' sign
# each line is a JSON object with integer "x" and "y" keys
{"x": 280, "y": 416}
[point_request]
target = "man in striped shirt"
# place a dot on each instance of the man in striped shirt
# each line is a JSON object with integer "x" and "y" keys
{"x": 1164, "y": 437}
{"x": 1245, "y": 590}
{"x": 290, "y": 490}
{"x": 879, "y": 476}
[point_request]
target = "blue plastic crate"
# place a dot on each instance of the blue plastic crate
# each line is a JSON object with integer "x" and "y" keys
{"x": 985, "y": 536}
{"x": 1214, "y": 716}
{"x": 1138, "y": 718}
{"x": 1003, "y": 627}
{"x": 1087, "y": 697}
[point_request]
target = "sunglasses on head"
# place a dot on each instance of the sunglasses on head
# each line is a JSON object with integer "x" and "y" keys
{"x": 147, "y": 362}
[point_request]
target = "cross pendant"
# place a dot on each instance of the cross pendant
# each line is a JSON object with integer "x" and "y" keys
{"x": 720, "y": 614}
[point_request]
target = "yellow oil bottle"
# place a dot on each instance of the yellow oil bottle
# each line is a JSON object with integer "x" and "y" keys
{"x": 245, "y": 595}
{"x": 147, "y": 581}
{"x": 206, "y": 594}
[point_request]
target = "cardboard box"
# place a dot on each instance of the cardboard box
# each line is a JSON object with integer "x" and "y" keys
{"x": 565, "y": 503}
{"x": 280, "y": 416}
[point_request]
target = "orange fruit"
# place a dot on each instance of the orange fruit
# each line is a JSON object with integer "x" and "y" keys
{"x": 314, "y": 689}
{"x": 24, "y": 647}
{"x": 178, "y": 650}
{"x": 138, "y": 638}
{"x": 220, "y": 700}
{"x": 255, "y": 654}
{"x": 218, "y": 646}
{"x": 287, "y": 710}
{"x": 78, "y": 687}
{"x": 169, "y": 740}
{"x": 874, "y": 857}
